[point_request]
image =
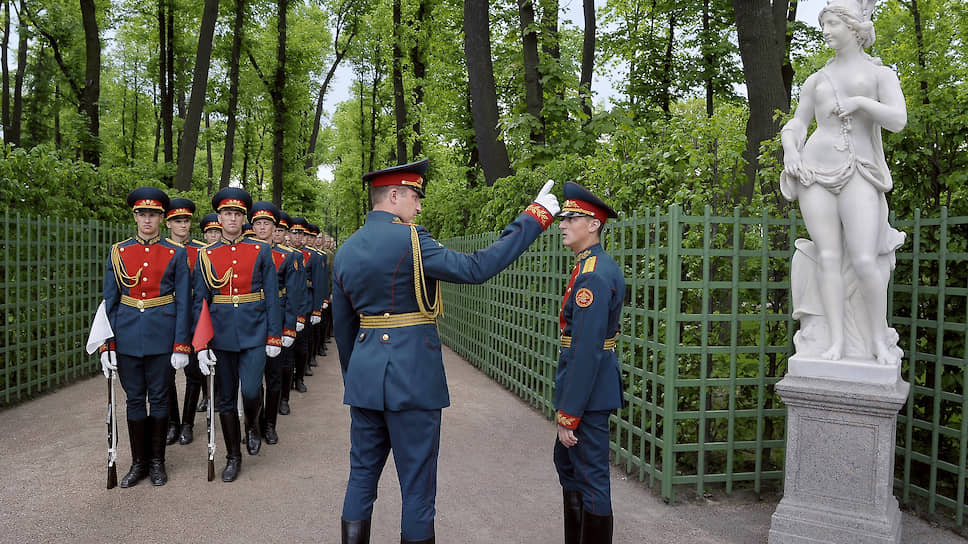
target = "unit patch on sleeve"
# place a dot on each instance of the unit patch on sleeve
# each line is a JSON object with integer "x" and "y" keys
{"x": 584, "y": 297}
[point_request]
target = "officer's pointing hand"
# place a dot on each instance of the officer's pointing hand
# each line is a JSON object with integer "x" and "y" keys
{"x": 179, "y": 360}
{"x": 548, "y": 200}
{"x": 273, "y": 351}
{"x": 206, "y": 360}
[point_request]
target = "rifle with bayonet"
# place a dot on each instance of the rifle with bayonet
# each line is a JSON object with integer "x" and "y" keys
{"x": 210, "y": 420}
{"x": 112, "y": 422}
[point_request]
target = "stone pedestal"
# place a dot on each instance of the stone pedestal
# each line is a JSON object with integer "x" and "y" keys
{"x": 839, "y": 471}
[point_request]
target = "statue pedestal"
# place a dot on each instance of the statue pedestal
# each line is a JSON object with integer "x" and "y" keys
{"x": 839, "y": 471}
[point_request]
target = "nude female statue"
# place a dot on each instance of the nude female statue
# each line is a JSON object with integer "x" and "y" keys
{"x": 840, "y": 177}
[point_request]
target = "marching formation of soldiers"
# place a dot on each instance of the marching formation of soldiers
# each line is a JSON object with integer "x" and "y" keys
{"x": 256, "y": 302}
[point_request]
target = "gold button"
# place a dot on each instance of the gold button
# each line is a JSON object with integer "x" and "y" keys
{"x": 122, "y": 249}
{"x": 236, "y": 289}
{"x": 144, "y": 294}
{"x": 172, "y": 251}
{"x": 209, "y": 252}
{"x": 235, "y": 262}
{"x": 387, "y": 315}
{"x": 146, "y": 264}
{"x": 147, "y": 250}
{"x": 144, "y": 279}
{"x": 386, "y": 337}
{"x": 235, "y": 275}
{"x": 233, "y": 248}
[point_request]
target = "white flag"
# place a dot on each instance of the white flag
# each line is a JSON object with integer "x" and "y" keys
{"x": 100, "y": 329}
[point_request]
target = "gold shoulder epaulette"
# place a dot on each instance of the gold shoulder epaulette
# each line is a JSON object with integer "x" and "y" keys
{"x": 285, "y": 247}
{"x": 174, "y": 242}
{"x": 589, "y": 265}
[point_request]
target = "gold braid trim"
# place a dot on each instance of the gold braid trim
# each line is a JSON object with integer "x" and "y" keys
{"x": 121, "y": 275}
{"x": 431, "y": 311}
{"x": 214, "y": 283}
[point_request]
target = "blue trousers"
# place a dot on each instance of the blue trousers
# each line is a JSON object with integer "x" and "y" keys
{"x": 143, "y": 377}
{"x": 414, "y": 437}
{"x": 584, "y": 466}
{"x": 233, "y": 367}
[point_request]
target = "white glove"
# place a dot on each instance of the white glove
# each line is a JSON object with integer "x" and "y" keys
{"x": 273, "y": 351}
{"x": 315, "y": 319}
{"x": 179, "y": 360}
{"x": 325, "y": 304}
{"x": 548, "y": 200}
{"x": 109, "y": 362}
{"x": 288, "y": 341}
{"x": 300, "y": 326}
{"x": 206, "y": 360}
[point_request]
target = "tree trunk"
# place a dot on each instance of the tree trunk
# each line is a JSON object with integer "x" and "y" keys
{"x": 480, "y": 78}
{"x": 666, "y": 97}
{"x": 91, "y": 91}
{"x": 16, "y": 121}
{"x": 165, "y": 97}
{"x": 189, "y": 141}
{"x": 134, "y": 122}
{"x": 761, "y": 28}
{"x": 533, "y": 91}
{"x": 588, "y": 59}
{"x": 343, "y": 18}
{"x": 230, "y": 123}
{"x": 707, "y": 58}
{"x": 208, "y": 152}
{"x": 5, "y": 99}
{"x": 279, "y": 102}
{"x": 399, "y": 101}
{"x": 551, "y": 44}
{"x": 912, "y": 5}
{"x": 418, "y": 57}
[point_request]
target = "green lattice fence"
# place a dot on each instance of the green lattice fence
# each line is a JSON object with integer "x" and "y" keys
{"x": 706, "y": 334}
{"x": 52, "y": 275}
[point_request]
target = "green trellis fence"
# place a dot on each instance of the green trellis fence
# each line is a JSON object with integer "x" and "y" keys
{"x": 53, "y": 271}
{"x": 706, "y": 334}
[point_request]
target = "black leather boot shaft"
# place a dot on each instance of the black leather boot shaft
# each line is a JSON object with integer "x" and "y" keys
{"x": 253, "y": 437}
{"x": 273, "y": 399}
{"x": 174, "y": 421}
{"x": 158, "y": 441}
{"x": 232, "y": 435}
{"x": 137, "y": 436}
{"x": 355, "y": 532}
{"x": 595, "y": 529}
{"x": 186, "y": 434}
{"x": 572, "y": 512}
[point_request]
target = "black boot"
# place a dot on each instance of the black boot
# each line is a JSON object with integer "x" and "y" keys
{"x": 253, "y": 438}
{"x": 188, "y": 415}
{"x": 203, "y": 404}
{"x": 284, "y": 400}
{"x": 156, "y": 467}
{"x": 300, "y": 386}
{"x": 174, "y": 422}
{"x": 355, "y": 532}
{"x": 429, "y": 540}
{"x": 309, "y": 370}
{"x": 232, "y": 434}
{"x": 271, "y": 412}
{"x": 595, "y": 529}
{"x": 573, "y": 508}
{"x": 137, "y": 436}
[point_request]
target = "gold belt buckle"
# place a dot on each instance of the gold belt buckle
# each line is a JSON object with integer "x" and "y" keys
{"x": 141, "y": 305}
{"x": 235, "y": 300}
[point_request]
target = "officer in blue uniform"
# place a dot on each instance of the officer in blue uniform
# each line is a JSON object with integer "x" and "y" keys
{"x": 265, "y": 217}
{"x": 321, "y": 278}
{"x": 211, "y": 229}
{"x": 313, "y": 303}
{"x": 147, "y": 296}
{"x": 178, "y": 219}
{"x": 296, "y": 299}
{"x": 386, "y": 299}
{"x": 237, "y": 277}
{"x": 588, "y": 382}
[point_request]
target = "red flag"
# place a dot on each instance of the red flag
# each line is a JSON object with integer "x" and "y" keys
{"x": 203, "y": 329}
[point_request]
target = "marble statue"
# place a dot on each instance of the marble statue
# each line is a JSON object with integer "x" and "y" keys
{"x": 839, "y": 176}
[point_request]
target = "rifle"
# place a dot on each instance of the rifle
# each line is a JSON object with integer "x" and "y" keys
{"x": 209, "y": 420}
{"x": 112, "y": 422}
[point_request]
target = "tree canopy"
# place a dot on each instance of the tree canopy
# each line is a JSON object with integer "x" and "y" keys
{"x": 100, "y": 96}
